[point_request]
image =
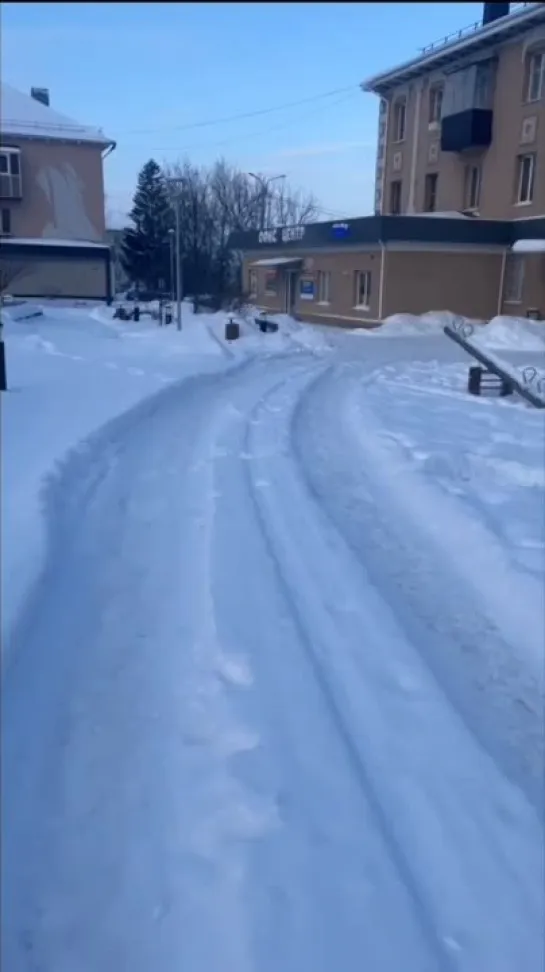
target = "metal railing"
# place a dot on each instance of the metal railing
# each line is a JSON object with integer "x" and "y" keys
{"x": 466, "y": 31}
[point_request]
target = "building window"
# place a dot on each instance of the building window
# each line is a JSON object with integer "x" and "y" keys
{"x": 324, "y": 280}
{"x": 395, "y": 197}
{"x": 363, "y": 289}
{"x": 526, "y": 167}
{"x": 271, "y": 283}
{"x": 400, "y": 117}
{"x": 435, "y": 105}
{"x": 252, "y": 283}
{"x": 10, "y": 174}
{"x": 514, "y": 279}
{"x": 472, "y": 190}
{"x": 430, "y": 192}
{"x": 5, "y": 223}
{"x": 535, "y": 76}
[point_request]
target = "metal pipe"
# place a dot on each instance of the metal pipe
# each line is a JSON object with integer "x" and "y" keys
{"x": 178, "y": 273}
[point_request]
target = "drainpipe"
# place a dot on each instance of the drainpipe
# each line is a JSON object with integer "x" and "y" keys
{"x": 502, "y": 280}
{"x": 414, "y": 157}
{"x": 381, "y": 279}
{"x": 109, "y": 150}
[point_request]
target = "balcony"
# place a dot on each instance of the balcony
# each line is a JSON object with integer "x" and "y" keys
{"x": 467, "y": 108}
{"x": 11, "y": 186}
{"x": 468, "y": 129}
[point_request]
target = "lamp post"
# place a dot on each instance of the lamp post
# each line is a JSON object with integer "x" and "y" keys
{"x": 265, "y": 183}
{"x": 175, "y": 182}
{"x": 171, "y": 243}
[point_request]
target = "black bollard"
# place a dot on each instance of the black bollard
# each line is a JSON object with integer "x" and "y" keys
{"x": 3, "y": 376}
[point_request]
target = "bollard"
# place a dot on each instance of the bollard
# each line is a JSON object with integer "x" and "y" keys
{"x": 136, "y": 313}
{"x": 3, "y": 376}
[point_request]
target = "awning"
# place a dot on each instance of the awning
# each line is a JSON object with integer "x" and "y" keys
{"x": 529, "y": 246}
{"x": 279, "y": 262}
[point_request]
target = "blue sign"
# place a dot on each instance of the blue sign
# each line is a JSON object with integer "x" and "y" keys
{"x": 306, "y": 288}
{"x": 340, "y": 230}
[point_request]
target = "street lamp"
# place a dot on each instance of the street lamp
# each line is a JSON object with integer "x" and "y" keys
{"x": 175, "y": 182}
{"x": 264, "y": 183}
{"x": 171, "y": 243}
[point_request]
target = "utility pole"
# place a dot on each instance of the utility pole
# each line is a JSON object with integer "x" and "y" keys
{"x": 176, "y": 182}
{"x": 264, "y": 184}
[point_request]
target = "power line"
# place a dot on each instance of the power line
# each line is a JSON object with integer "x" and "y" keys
{"x": 231, "y": 138}
{"x": 241, "y": 115}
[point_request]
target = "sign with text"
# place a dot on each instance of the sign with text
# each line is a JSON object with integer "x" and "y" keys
{"x": 286, "y": 234}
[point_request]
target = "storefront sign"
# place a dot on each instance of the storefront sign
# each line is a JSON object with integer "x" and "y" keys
{"x": 340, "y": 230}
{"x": 288, "y": 234}
{"x": 306, "y": 288}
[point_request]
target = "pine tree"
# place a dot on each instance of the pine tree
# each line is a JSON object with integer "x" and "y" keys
{"x": 145, "y": 247}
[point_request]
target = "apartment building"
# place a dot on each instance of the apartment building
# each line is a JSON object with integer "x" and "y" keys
{"x": 462, "y": 126}
{"x": 52, "y": 222}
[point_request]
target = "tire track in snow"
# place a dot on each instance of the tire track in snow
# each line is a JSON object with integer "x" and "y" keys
{"x": 368, "y": 791}
{"x": 466, "y": 823}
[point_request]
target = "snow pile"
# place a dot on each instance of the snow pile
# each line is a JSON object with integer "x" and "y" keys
{"x": 69, "y": 372}
{"x": 511, "y": 333}
{"x": 413, "y": 325}
{"x": 16, "y": 310}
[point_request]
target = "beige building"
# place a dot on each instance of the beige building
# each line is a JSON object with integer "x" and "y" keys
{"x": 52, "y": 224}
{"x": 358, "y": 272}
{"x": 462, "y": 126}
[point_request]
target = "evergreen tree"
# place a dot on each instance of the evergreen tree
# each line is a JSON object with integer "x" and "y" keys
{"x": 146, "y": 248}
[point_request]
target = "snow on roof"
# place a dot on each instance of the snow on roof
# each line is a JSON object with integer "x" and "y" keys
{"x": 20, "y": 114}
{"x": 529, "y": 246}
{"x": 50, "y": 241}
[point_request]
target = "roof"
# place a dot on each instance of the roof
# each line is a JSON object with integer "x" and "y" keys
{"x": 24, "y": 116}
{"x": 375, "y": 230}
{"x": 50, "y": 241}
{"x": 276, "y": 262}
{"x": 522, "y": 18}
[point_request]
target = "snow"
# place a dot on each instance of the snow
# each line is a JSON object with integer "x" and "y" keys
{"x": 529, "y": 246}
{"x": 274, "y": 689}
{"x": 511, "y": 333}
{"x": 41, "y": 241}
{"x": 501, "y": 332}
{"x": 20, "y": 114}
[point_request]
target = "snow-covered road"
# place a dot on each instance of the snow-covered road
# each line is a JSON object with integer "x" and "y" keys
{"x": 243, "y": 718}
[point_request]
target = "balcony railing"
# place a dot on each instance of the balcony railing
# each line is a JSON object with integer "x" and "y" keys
{"x": 11, "y": 186}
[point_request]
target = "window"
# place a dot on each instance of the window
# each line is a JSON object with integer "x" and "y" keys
{"x": 514, "y": 279}
{"x": 526, "y": 165}
{"x": 5, "y": 224}
{"x": 395, "y": 197}
{"x": 430, "y": 192}
{"x": 472, "y": 190}
{"x": 363, "y": 289}
{"x": 436, "y": 103}
{"x": 400, "y": 115}
{"x": 10, "y": 174}
{"x": 324, "y": 279}
{"x": 252, "y": 283}
{"x": 535, "y": 76}
{"x": 271, "y": 283}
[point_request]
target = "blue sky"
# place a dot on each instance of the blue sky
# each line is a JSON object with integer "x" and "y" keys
{"x": 143, "y": 71}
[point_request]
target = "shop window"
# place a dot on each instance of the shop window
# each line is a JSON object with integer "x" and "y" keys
{"x": 514, "y": 279}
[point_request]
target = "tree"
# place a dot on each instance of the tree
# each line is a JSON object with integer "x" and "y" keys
{"x": 145, "y": 247}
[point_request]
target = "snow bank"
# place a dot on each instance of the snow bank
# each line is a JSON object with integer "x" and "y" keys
{"x": 19, "y": 311}
{"x": 413, "y": 325}
{"x": 69, "y": 372}
{"x": 511, "y": 333}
